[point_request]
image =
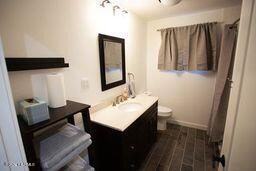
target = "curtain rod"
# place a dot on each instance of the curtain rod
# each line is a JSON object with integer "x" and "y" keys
{"x": 234, "y": 23}
{"x": 190, "y": 25}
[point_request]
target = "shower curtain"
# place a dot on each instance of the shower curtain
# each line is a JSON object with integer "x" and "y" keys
{"x": 223, "y": 84}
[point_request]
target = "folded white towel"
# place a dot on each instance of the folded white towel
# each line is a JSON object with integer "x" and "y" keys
{"x": 69, "y": 158}
{"x": 78, "y": 164}
{"x": 66, "y": 139}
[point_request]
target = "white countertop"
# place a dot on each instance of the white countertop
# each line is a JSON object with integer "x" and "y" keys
{"x": 113, "y": 117}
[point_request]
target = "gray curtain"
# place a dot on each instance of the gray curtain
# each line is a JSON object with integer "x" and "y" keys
{"x": 223, "y": 84}
{"x": 188, "y": 48}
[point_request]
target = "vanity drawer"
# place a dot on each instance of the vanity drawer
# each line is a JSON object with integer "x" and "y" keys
{"x": 129, "y": 155}
{"x": 130, "y": 142}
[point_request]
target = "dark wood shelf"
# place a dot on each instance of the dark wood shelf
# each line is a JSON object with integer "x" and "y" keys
{"x": 20, "y": 64}
{"x": 56, "y": 114}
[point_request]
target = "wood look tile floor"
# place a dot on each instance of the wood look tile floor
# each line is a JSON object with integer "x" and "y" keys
{"x": 180, "y": 148}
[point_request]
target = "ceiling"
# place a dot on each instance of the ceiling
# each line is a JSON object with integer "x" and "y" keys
{"x": 152, "y": 9}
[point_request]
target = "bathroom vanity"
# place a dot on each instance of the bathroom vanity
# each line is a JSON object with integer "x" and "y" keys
{"x": 123, "y": 134}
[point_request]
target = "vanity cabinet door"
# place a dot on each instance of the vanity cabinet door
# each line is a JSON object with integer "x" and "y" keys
{"x": 147, "y": 135}
{"x": 130, "y": 148}
{"x": 152, "y": 129}
{"x": 142, "y": 142}
{"x": 144, "y": 132}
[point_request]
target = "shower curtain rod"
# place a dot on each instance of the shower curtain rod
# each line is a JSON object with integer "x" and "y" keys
{"x": 234, "y": 23}
{"x": 191, "y": 25}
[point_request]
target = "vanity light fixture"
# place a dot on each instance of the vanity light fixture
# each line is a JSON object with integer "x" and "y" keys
{"x": 103, "y": 4}
{"x": 115, "y": 8}
{"x": 124, "y": 12}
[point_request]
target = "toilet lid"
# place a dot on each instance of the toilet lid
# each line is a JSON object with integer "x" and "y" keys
{"x": 163, "y": 109}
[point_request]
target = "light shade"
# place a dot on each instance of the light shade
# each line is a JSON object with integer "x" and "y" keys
{"x": 169, "y": 2}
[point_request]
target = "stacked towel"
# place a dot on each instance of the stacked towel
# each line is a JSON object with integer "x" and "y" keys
{"x": 84, "y": 155}
{"x": 63, "y": 146}
{"x": 67, "y": 159}
{"x": 78, "y": 164}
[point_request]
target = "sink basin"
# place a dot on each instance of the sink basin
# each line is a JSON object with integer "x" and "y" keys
{"x": 130, "y": 107}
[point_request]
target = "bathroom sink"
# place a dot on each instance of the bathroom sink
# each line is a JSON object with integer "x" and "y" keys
{"x": 130, "y": 107}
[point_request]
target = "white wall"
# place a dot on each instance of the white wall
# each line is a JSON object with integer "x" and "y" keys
{"x": 189, "y": 94}
{"x": 68, "y": 28}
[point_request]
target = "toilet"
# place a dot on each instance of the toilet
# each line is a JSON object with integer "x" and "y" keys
{"x": 164, "y": 113}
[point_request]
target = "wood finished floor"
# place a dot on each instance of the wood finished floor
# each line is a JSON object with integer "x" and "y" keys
{"x": 179, "y": 148}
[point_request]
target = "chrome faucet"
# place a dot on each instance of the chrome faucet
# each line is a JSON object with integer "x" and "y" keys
{"x": 119, "y": 99}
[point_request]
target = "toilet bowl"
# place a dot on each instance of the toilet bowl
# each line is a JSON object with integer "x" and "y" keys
{"x": 164, "y": 113}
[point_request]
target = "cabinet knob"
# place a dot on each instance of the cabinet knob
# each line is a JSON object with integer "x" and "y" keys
{"x": 132, "y": 147}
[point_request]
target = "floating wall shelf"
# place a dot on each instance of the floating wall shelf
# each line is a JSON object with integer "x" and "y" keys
{"x": 19, "y": 64}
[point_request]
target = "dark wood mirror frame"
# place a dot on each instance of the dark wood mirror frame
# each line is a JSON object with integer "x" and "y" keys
{"x": 104, "y": 85}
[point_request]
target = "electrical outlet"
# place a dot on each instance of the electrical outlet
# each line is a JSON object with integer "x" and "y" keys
{"x": 84, "y": 83}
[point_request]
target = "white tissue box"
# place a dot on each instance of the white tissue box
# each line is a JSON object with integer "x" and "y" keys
{"x": 34, "y": 111}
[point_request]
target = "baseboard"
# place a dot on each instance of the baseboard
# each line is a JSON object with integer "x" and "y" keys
{"x": 188, "y": 124}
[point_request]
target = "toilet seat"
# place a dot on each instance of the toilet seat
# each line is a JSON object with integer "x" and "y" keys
{"x": 164, "y": 111}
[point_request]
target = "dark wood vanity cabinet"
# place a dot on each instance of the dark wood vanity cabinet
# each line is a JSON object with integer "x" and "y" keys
{"x": 117, "y": 150}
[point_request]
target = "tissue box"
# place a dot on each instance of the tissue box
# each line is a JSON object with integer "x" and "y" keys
{"x": 34, "y": 111}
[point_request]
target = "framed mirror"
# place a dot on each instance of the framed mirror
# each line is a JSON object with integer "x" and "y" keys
{"x": 112, "y": 61}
